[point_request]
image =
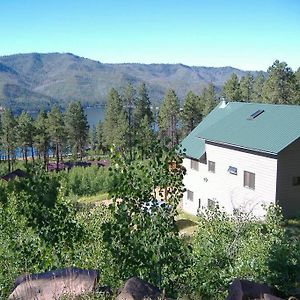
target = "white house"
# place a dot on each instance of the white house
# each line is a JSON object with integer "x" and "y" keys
{"x": 243, "y": 155}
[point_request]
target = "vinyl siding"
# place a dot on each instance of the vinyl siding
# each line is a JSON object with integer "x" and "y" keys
{"x": 288, "y": 196}
{"x": 228, "y": 189}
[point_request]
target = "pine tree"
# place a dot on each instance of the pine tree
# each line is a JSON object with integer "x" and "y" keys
{"x": 231, "y": 89}
{"x": 168, "y": 118}
{"x": 115, "y": 124}
{"x": 142, "y": 118}
{"x": 99, "y": 138}
{"x": 280, "y": 87}
{"x": 8, "y": 137}
{"x": 25, "y": 134}
{"x": 209, "y": 99}
{"x": 57, "y": 133}
{"x": 42, "y": 137}
{"x": 191, "y": 114}
{"x": 77, "y": 128}
{"x": 246, "y": 87}
{"x": 258, "y": 86}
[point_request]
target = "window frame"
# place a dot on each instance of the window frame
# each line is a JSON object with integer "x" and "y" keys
{"x": 249, "y": 180}
{"x": 190, "y": 195}
{"x": 296, "y": 180}
{"x": 210, "y": 168}
{"x": 194, "y": 163}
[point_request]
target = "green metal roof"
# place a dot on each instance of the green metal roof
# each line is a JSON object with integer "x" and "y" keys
{"x": 270, "y": 132}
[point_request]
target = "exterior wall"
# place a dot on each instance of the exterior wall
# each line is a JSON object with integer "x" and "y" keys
{"x": 288, "y": 195}
{"x": 228, "y": 189}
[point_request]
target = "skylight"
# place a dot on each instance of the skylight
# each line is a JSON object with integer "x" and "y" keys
{"x": 255, "y": 114}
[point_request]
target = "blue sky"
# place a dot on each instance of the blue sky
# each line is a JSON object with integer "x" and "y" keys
{"x": 245, "y": 34}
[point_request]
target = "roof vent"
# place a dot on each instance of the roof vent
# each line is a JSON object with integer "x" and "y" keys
{"x": 255, "y": 114}
{"x": 223, "y": 103}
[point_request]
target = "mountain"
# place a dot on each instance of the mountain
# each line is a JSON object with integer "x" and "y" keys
{"x": 33, "y": 81}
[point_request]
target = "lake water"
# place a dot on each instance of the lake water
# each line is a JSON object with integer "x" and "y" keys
{"x": 94, "y": 115}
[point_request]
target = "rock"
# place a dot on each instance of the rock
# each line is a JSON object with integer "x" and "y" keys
{"x": 271, "y": 297}
{"x": 244, "y": 290}
{"x": 138, "y": 289}
{"x": 52, "y": 285}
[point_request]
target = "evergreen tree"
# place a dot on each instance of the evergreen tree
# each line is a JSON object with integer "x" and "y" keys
{"x": 56, "y": 130}
{"x": 297, "y": 93}
{"x": 280, "y": 87}
{"x": 8, "y": 138}
{"x": 115, "y": 124}
{"x": 231, "y": 88}
{"x": 209, "y": 99}
{"x": 142, "y": 118}
{"x": 25, "y": 134}
{"x": 246, "y": 87}
{"x": 168, "y": 117}
{"x": 191, "y": 114}
{"x": 258, "y": 86}
{"x": 77, "y": 128}
{"x": 42, "y": 137}
{"x": 99, "y": 138}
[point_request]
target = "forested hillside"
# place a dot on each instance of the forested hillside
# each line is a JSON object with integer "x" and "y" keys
{"x": 32, "y": 81}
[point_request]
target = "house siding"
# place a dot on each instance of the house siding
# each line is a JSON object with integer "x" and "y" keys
{"x": 288, "y": 196}
{"x": 228, "y": 189}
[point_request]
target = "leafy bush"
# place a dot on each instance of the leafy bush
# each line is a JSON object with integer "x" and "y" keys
{"x": 88, "y": 181}
{"x": 146, "y": 243}
{"x": 228, "y": 247}
{"x": 40, "y": 228}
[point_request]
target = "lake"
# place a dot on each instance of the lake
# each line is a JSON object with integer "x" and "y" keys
{"x": 94, "y": 115}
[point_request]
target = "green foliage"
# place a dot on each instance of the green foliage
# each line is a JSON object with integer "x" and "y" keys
{"x": 56, "y": 131}
{"x": 168, "y": 118}
{"x": 41, "y": 230}
{"x": 246, "y": 87}
{"x": 77, "y": 128}
{"x": 280, "y": 87}
{"x": 8, "y": 136}
{"x": 191, "y": 114}
{"x": 142, "y": 242}
{"x": 258, "y": 85}
{"x": 231, "y": 88}
{"x": 241, "y": 247}
{"x": 209, "y": 98}
{"x": 115, "y": 124}
{"x": 42, "y": 136}
{"x": 88, "y": 181}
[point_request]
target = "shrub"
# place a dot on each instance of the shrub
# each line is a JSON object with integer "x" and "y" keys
{"x": 88, "y": 181}
{"x": 228, "y": 247}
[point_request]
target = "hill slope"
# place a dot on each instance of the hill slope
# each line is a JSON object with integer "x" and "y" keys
{"x": 31, "y": 81}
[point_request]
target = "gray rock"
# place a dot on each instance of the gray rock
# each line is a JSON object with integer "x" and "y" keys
{"x": 244, "y": 290}
{"x": 52, "y": 285}
{"x": 138, "y": 289}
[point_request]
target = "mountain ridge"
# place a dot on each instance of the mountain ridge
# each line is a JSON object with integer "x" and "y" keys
{"x": 38, "y": 80}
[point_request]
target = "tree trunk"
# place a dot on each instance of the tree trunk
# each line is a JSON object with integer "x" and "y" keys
{"x": 32, "y": 153}
{"x": 8, "y": 160}
{"x": 57, "y": 157}
{"x": 25, "y": 153}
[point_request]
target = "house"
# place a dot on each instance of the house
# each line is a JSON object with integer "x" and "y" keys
{"x": 243, "y": 156}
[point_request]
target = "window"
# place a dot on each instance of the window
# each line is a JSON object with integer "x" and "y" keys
{"x": 190, "y": 195}
{"x": 232, "y": 170}
{"x": 194, "y": 164}
{"x": 211, "y": 166}
{"x": 296, "y": 180}
{"x": 249, "y": 180}
{"x": 211, "y": 204}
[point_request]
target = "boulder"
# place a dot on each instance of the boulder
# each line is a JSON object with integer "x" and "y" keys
{"x": 138, "y": 289}
{"x": 52, "y": 285}
{"x": 244, "y": 290}
{"x": 271, "y": 297}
